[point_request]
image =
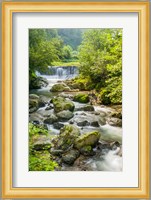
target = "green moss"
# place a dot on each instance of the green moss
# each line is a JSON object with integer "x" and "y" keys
{"x": 34, "y": 130}
{"x": 87, "y": 139}
{"x": 41, "y": 161}
{"x": 82, "y": 98}
{"x": 61, "y": 104}
{"x": 39, "y": 156}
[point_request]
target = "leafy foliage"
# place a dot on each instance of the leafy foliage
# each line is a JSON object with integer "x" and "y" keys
{"x": 39, "y": 160}
{"x": 100, "y": 56}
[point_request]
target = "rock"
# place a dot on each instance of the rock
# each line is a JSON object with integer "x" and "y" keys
{"x": 35, "y": 117}
{"x": 67, "y": 136}
{"x": 95, "y": 124}
{"x": 87, "y": 150}
{"x": 83, "y": 123}
{"x": 42, "y": 101}
{"x": 58, "y": 125}
{"x": 56, "y": 152}
{"x": 33, "y": 105}
{"x": 87, "y": 139}
{"x": 42, "y": 142}
{"x": 64, "y": 95}
{"x": 75, "y": 85}
{"x": 115, "y": 122}
{"x": 81, "y": 98}
{"x": 85, "y": 108}
{"x": 116, "y": 115}
{"x": 33, "y": 96}
{"x": 51, "y": 119}
{"x": 65, "y": 115}
{"x": 70, "y": 156}
{"x": 38, "y": 83}
{"x": 60, "y": 87}
{"x": 61, "y": 104}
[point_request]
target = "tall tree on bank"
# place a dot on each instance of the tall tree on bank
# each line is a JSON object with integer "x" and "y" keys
{"x": 100, "y": 56}
{"x": 44, "y": 48}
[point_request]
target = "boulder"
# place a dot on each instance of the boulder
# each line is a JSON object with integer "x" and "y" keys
{"x": 64, "y": 95}
{"x": 87, "y": 139}
{"x": 115, "y": 122}
{"x": 64, "y": 115}
{"x": 83, "y": 123}
{"x": 116, "y": 115}
{"x": 33, "y": 96}
{"x": 33, "y": 105}
{"x": 87, "y": 150}
{"x": 51, "y": 119}
{"x": 38, "y": 83}
{"x": 86, "y": 108}
{"x": 60, "y": 87}
{"x": 70, "y": 156}
{"x": 58, "y": 125}
{"x": 35, "y": 117}
{"x": 67, "y": 137}
{"x": 75, "y": 85}
{"x": 41, "y": 142}
{"x": 81, "y": 98}
{"x": 94, "y": 124}
{"x": 42, "y": 101}
{"x": 61, "y": 104}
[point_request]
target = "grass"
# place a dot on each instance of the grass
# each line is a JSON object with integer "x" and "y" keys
{"x": 66, "y": 64}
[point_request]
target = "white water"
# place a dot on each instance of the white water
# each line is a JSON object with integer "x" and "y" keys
{"x": 108, "y": 160}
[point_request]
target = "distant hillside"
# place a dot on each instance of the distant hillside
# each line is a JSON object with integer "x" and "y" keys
{"x": 71, "y": 36}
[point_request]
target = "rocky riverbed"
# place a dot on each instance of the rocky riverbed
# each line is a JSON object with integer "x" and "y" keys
{"x": 83, "y": 136}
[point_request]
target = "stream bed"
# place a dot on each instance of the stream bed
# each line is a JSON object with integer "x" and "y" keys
{"x": 107, "y": 155}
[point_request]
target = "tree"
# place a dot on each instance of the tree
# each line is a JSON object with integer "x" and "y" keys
{"x": 100, "y": 56}
{"x": 42, "y": 50}
{"x": 67, "y": 52}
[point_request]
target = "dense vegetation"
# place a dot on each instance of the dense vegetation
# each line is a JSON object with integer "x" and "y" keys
{"x": 39, "y": 156}
{"x": 97, "y": 52}
{"x": 98, "y": 55}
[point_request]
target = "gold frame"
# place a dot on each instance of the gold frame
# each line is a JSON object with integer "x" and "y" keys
{"x": 142, "y": 8}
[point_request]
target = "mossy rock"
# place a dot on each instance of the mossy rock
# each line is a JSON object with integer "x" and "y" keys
{"x": 65, "y": 115}
{"x": 37, "y": 83}
{"x": 85, "y": 108}
{"x": 67, "y": 136}
{"x": 87, "y": 150}
{"x": 33, "y": 105}
{"x": 61, "y": 104}
{"x": 51, "y": 119}
{"x": 33, "y": 96}
{"x": 70, "y": 156}
{"x": 41, "y": 142}
{"x": 87, "y": 139}
{"x": 81, "y": 98}
{"x": 60, "y": 87}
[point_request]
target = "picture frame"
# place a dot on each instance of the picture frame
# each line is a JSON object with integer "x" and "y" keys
{"x": 8, "y": 9}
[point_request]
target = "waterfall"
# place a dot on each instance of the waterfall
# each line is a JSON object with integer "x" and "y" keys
{"x": 59, "y": 72}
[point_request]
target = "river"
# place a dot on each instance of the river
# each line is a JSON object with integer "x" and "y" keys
{"x": 107, "y": 159}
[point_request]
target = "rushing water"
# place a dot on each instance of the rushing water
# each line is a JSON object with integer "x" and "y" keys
{"x": 107, "y": 160}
